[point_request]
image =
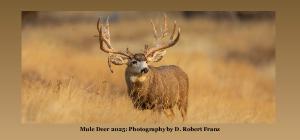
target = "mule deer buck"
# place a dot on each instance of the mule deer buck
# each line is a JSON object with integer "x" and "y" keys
{"x": 154, "y": 88}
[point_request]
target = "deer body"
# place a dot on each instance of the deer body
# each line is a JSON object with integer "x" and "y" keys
{"x": 155, "y": 88}
{"x": 153, "y": 91}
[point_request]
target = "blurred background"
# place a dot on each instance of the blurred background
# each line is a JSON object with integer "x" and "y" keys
{"x": 229, "y": 57}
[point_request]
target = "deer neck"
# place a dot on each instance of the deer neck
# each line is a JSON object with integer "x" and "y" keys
{"x": 138, "y": 78}
{"x": 138, "y": 84}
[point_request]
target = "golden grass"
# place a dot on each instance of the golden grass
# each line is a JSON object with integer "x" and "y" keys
{"x": 65, "y": 78}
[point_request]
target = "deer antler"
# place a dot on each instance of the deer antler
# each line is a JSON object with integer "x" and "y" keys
{"x": 105, "y": 37}
{"x": 163, "y": 33}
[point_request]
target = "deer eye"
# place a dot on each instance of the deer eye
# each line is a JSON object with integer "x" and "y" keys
{"x": 133, "y": 62}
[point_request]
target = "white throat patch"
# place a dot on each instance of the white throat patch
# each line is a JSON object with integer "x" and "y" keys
{"x": 137, "y": 78}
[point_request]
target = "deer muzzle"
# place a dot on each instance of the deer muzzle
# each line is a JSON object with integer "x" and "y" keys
{"x": 145, "y": 70}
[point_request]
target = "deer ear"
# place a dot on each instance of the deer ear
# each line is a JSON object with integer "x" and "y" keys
{"x": 118, "y": 59}
{"x": 156, "y": 56}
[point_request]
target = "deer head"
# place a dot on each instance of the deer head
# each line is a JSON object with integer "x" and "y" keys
{"x": 138, "y": 62}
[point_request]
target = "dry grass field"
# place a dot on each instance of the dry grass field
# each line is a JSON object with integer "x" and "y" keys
{"x": 230, "y": 64}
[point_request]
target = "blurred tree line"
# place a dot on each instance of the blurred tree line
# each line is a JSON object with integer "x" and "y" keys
{"x": 29, "y": 17}
{"x": 240, "y": 15}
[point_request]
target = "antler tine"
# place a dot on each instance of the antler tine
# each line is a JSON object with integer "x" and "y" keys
{"x": 107, "y": 23}
{"x": 174, "y": 29}
{"x": 106, "y": 40}
{"x": 165, "y": 30}
{"x": 107, "y": 31}
{"x": 154, "y": 30}
{"x": 146, "y": 48}
{"x": 99, "y": 28}
{"x": 128, "y": 52}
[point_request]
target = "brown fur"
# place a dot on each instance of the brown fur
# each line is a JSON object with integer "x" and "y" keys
{"x": 162, "y": 88}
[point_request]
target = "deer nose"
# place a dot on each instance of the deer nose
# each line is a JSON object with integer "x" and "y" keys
{"x": 144, "y": 70}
